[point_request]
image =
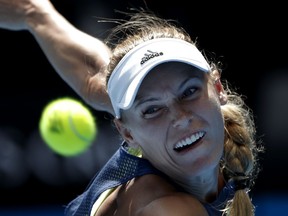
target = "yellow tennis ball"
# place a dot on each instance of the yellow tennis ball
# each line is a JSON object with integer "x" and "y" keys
{"x": 67, "y": 126}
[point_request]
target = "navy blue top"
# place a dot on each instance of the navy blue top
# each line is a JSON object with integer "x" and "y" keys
{"x": 121, "y": 168}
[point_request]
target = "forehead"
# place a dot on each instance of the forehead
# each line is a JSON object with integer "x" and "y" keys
{"x": 168, "y": 76}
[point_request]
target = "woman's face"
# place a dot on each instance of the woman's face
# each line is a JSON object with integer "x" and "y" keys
{"x": 176, "y": 120}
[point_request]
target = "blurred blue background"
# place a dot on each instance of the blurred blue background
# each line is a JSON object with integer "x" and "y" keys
{"x": 251, "y": 41}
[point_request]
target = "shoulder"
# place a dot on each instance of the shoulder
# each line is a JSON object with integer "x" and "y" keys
{"x": 153, "y": 195}
{"x": 173, "y": 204}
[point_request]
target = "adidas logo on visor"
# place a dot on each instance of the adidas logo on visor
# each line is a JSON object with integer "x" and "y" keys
{"x": 149, "y": 55}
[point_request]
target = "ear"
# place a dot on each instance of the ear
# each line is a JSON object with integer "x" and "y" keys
{"x": 219, "y": 88}
{"x": 125, "y": 132}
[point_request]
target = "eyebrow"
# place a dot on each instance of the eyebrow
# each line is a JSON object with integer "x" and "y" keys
{"x": 141, "y": 99}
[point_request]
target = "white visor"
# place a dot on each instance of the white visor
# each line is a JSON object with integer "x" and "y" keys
{"x": 127, "y": 76}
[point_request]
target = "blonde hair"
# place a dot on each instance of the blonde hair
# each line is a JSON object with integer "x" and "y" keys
{"x": 240, "y": 152}
{"x": 240, "y": 159}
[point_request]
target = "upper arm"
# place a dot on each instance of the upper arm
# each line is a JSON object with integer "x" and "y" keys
{"x": 76, "y": 56}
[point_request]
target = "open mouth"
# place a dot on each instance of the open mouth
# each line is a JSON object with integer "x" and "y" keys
{"x": 189, "y": 141}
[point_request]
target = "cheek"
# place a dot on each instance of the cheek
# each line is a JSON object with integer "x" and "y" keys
{"x": 215, "y": 115}
{"x": 213, "y": 103}
{"x": 210, "y": 111}
{"x": 150, "y": 137}
{"x": 216, "y": 120}
{"x": 146, "y": 133}
{"x": 210, "y": 106}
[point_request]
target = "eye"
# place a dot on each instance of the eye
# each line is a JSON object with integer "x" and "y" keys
{"x": 188, "y": 92}
{"x": 151, "y": 111}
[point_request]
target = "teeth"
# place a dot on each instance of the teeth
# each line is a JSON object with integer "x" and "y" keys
{"x": 189, "y": 140}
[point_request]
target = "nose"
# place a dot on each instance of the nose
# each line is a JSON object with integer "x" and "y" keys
{"x": 181, "y": 116}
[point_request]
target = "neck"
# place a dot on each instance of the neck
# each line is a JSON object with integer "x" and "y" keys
{"x": 204, "y": 187}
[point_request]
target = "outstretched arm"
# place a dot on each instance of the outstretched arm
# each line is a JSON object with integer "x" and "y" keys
{"x": 76, "y": 56}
